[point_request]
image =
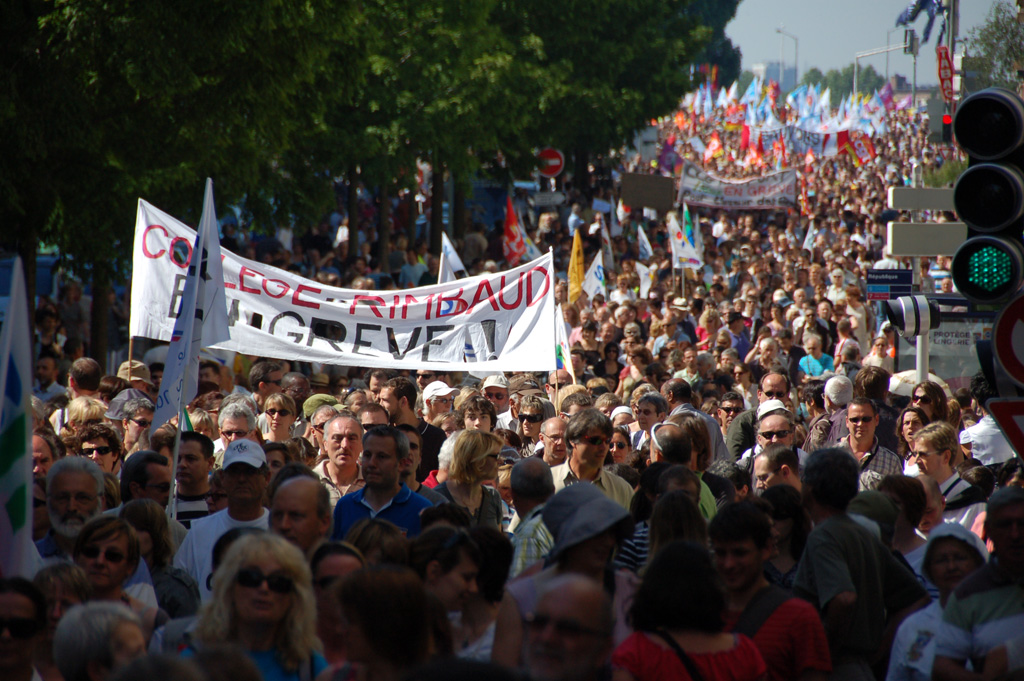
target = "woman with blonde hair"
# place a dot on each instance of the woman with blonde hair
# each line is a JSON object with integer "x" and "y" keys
{"x": 203, "y": 423}
{"x": 263, "y": 601}
{"x": 83, "y": 411}
{"x": 474, "y": 460}
{"x": 280, "y": 411}
{"x": 708, "y": 326}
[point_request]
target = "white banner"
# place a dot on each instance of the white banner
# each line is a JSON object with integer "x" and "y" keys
{"x": 508, "y": 315}
{"x": 698, "y": 188}
{"x": 593, "y": 282}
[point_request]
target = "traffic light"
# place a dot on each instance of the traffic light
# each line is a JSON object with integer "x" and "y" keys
{"x": 947, "y": 128}
{"x": 989, "y": 196}
{"x": 912, "y": 315}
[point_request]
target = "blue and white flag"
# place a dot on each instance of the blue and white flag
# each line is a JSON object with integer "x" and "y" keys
{"x": 18, "y": 555}
{"x": 647, "y": 276}
{"x": 532, "y": 252}
{"x": 202, "y": 319}
{"x": 593, "y": 282}
{"x": 643, "y": 245}
{"x": 451, "y": 256}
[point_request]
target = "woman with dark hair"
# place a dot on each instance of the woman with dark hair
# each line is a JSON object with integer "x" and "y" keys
{"x": 590, "y": 344}
{"x": 791, "y": 527}
{"x": 448, "y": 561}
{"x": 909, "y": 496}
{"x": 930, "y": 397}
{"x": 910, "y": 420}
{"x": 676, "y": 517}
{"x": 679, "y": 630}
{"x": 176, "y": 591}
{"x": 332, "y": 561}
{"x": 633, "y": 553}
{"x": 619, "y": 447}
{"x": 379, "y": 541}
{"x": 63, "y": 586}
{"x": 609, "y": 367}
{"x": 473, "y": 630}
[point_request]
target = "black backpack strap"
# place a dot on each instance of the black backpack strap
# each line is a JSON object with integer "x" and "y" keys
{"x": 691, "y": 667}
{"x": 761, "y": 606}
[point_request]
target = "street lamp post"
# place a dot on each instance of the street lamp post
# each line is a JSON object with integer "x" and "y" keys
{"x": 887, "y": 35}
{"x": 796, "y": 55}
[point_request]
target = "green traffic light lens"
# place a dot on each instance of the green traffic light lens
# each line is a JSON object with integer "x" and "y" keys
{"x": 990, "y": 268}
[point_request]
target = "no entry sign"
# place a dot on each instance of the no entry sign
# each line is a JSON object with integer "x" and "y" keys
{"x": 551, "y": 161}
{"x": 1008, "y": 339}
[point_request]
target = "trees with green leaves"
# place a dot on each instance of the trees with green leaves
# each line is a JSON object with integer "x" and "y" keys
{"x": 840, "y": 81}
{"x": 998, "y": 48}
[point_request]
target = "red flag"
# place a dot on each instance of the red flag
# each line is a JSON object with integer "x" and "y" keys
{"x": 745, "y": 136}
{"x": 714, "y": 148}
{"x": 859, "y": 147}
{"x": 809, "y": 160}
{"x": 513, "y": 246}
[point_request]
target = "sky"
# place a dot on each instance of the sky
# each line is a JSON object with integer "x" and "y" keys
{"x": 831, "y": 32}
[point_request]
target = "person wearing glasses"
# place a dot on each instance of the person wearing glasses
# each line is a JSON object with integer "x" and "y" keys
{"x": 22, "y": 627}
{"x": 742, "y": 433}
{"x": 437, "y": 399}
{"x": 235, "y": 421}
{"x": 530, "y": 416}
{"x": 278, "y": 422}
{"x": 934, "y": 447}
{"x": 730, "y": 406}
{"x": 138, "y": 417}
{"x": 244, "y": 478}
{"x": 262, "y": 601}
{"x": 875, "y": 461}
{"x": 930, "y": 397}
{"x": 101, "y": 443}
{"x": 265, "y": 379}
{"x": 587, "y": 434}
{"x": 147, "y": 475}
{"x": 777, "y": 464}
{"x": 775, "y": 426}
{"x": 107, "y": 549}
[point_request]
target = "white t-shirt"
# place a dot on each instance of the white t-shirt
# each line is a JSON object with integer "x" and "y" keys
{"x": 988, "y": 444}
{"x": 196, "y": 553}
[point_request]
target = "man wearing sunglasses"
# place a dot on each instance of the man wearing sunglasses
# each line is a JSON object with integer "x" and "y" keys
{"x": 264, "y": 380}
{"x": 742, "y": 434}
{"x": 588, "y": 434}
{"x": 245, "y": 479}
{"x": 22, "y": 623}
{"x": 437, "y": 399}
{"x": 876, "y": 461}
{"x": 138, "y": 417}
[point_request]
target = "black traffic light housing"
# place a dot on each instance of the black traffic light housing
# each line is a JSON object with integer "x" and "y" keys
{"x": 989, "y": 196}
{"x": 912, "y": 315}
{"x": 947, "y": 128}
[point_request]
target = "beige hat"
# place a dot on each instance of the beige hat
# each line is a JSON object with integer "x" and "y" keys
{"x": 139, "y": 372}
{"x": 319, "y": 380}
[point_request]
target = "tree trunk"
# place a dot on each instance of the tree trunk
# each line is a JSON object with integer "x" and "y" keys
{"x": 100, "y": 313}
{"x": 458, "y": 210}
{"x": 353, "y": 204}
{"x": 384, "y": 230}
{"x": 582, "y": 178}
{"x": 436, "y": 203}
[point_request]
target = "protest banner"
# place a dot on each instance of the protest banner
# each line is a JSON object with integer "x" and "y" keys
{"x": 647, "y": 191}
{"x": 508, "y": 316}
{"x": 699, "y": 188}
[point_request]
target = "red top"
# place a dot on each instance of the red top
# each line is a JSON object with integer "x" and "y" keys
{"x": 649, "y": 659}
{"x": 792, "y": 640}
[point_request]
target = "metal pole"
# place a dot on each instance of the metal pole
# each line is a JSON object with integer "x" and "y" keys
{"x": 923, "y": 341}
{"x": 856, "y": 67}
{"x": 887, "y": 33}
{"x": 913, "y": 89}
{"x": 782, "y": 44}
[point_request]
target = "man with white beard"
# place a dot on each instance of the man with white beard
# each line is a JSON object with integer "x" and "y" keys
{"x": 74, "y": 486}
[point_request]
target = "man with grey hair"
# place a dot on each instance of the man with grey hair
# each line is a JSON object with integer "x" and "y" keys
{"x": 343, "y": 444}
{"x": 532, "y": 485}
{"x": 95, "y": 639}
{"x": 74, "y": 487}
{"x": 236, "y": 421}
{"x": 138, "y": 417}
{"x": 838, "y": 393}
{"x": 317, "y": 422}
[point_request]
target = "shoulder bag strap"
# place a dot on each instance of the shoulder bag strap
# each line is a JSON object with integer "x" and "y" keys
{"x": 761, "y": 606}
{"x": 691, "y": 667}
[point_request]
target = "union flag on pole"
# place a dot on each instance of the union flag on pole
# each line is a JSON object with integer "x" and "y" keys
{"x": 512, "y": 244}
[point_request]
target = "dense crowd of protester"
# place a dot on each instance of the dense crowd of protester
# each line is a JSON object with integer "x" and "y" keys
{"x": 729, "y": 489}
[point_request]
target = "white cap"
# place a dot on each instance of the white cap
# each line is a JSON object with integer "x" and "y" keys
{"x": 621, "y": 410}
{"x": 770, "y": 406}
{"x": 244, "y": 451}
{"x": 437, "y": 389}
{"x": 496, "y": 381}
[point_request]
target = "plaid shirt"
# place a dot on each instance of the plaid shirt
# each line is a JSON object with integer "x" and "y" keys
{"x": 531, "y": 541}
{"x": 876, "y": 464}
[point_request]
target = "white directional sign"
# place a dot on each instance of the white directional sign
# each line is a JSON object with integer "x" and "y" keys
{"x": 544, "y": 199}
{"x": 914, "y": 198}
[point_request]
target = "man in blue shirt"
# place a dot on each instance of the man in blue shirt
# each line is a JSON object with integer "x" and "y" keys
{"x": 385, "y": 453}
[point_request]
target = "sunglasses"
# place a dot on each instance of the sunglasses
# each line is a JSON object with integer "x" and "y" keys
{"x": 775, "y": 395}
{"x": 531, "y": 418}
{"x": 428, "y": 377}
{"x": 19, "y": 627}
{"x": 923, "y": 399}
{"x": 860, "y": 419}
{"x": 595, "y": 440}
{"x": 141, "y": 423}
{"x": 731, "y": 410}
{"x": 231, "y": 434}
{"x": 619, "y": 445}
{"x": 563, "y": 627}
{"x": 278, "y": 412}
{"x": 252, "y": 578}
{"x": 495, "y": 396}
{"x": 110, "y": 555}
{"x": 772, "y": 434}
{"x": 216, "y": 496}
{"x": 101, "y": 451}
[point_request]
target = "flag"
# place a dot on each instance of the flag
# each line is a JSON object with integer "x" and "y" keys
{"x": 576, "y": 268}
{"x": 512, "y": 244}
{"x": 683, "y": 253}
{"x": 714, "y": 148}
{"x": 593, "y": 283}
{"x": 808, "y": 244}
{"x": 643, "y": 245}
{"x": 809, "y": 160}
{"x": 563, "y": 358}
{"x": 445, "y": 273}
{"x": 860, "y": 148}
{"x": 449, "y": 253}
{"x": 647, "y": 276}
{"x": 606, "y": 245}
{"x": 18, "y": 555}
{"x": 202, "y": 320}
{"x": 532, "y": 252}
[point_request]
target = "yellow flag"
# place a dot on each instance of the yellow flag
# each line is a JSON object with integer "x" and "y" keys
{"x": 576, "y": 268}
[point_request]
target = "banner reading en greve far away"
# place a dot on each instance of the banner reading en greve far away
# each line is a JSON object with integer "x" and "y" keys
{"x": 700, "y": 188}
{"x": 507, "y": 317}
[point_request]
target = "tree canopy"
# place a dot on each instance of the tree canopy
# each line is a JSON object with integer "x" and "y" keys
{"x": 998, "y": 47}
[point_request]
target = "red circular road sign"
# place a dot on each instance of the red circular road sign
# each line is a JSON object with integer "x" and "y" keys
{"x": 552, "y": 162}
{"x": 1008, "y": 339}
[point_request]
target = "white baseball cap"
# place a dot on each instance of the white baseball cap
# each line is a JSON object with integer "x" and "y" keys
{"x": 437, "y": 389}
{"x": 244, "y": 451}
